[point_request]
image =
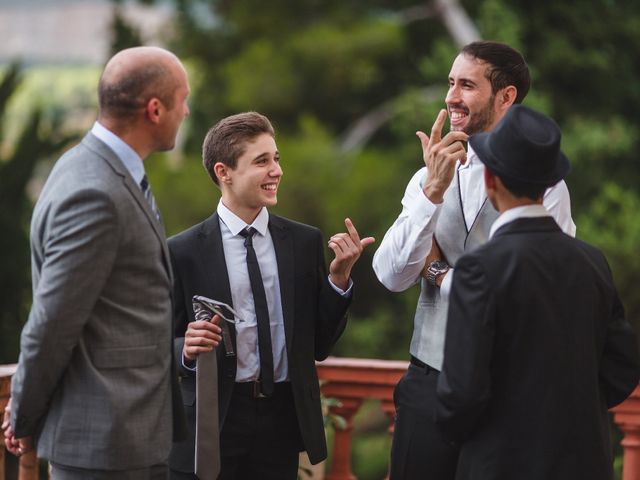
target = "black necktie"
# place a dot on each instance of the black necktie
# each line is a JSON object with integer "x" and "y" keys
{"x": 262, "y": 313}
{"x": 146, "y": 189}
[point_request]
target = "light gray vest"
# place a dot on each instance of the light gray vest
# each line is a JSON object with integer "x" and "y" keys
{"x": 430, "y": 322}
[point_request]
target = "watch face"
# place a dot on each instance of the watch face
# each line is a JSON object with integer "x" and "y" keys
{"x": 439, "y": 265}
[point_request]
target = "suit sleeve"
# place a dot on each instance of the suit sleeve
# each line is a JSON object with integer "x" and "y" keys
{"x": 464, "y": 385}
{"x": 332, "y": 308}
{"x": 400, "y": 257}
{"x": 79, "y": 247}
{"x": 619, "y": 366}
{"x": 180, "y": 316}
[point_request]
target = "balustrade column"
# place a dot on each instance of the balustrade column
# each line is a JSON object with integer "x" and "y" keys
{"x": 631, "y": 445}
{"x": 627, "y": 418}
{"x": 389, "y": 408}
{"x": 341, "y": 464}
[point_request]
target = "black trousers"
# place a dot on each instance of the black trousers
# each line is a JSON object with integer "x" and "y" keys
{"x": 64, "y": 472}
{"x": 260, "y": 438}
{"x": 418, "y": 452}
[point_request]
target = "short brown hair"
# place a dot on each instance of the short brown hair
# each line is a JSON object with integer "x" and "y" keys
{"x": 121, "y": 97}
{"x": 506, "y": 66}
{"x": 225, "y": 141}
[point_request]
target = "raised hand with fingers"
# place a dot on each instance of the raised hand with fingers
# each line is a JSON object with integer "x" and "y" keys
{"x": 347, "y": 247}
{"x": 440, "y": 156}
{"x": 201, "y": 336}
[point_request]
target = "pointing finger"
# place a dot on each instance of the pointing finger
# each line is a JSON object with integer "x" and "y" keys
{"x": 353, "y": 233}
{"x": 436, "y": 130}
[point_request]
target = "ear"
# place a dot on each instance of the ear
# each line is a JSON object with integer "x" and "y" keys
{"x": 153, "y": 110}
{"x": 222, "y": 173}
{"x": 489, "y": 181}
{"x": 507, "y": 96}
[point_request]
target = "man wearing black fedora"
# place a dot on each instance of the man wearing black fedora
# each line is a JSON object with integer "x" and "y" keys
{"x": 537, "y": 346}
{"x": 445, "y": 212}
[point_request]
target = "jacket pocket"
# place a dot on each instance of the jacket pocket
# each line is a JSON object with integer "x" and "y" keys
{"x": 125, "y": 357}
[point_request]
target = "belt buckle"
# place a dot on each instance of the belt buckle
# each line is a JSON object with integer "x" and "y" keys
{"x": 256, "y": 390}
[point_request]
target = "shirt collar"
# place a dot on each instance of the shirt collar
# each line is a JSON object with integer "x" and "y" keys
{"x": 472, "y": 159}
{"x": 525, "y": 211}
{"x": 235, "y": 224}
{"x": 126, "y": 154}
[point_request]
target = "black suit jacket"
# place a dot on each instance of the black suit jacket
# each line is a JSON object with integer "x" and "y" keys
{"x": 314, "y": 318}
{"x": 537, "y": 349}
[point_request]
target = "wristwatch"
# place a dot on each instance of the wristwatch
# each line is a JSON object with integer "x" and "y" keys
{"x": 434, "y": 269}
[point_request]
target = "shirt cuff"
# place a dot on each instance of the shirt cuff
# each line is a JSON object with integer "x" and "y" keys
{"x": 445, "y": 286}
{"x": 343, "y": 293}
{"x": 185, "y": 363}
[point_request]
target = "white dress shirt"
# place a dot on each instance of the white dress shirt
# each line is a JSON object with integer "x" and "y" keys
{"x": 399, "y": 260}
{"x": 471, "y": 177}
{"x": 235, "y": 253}
{"x": 126, "y": 154}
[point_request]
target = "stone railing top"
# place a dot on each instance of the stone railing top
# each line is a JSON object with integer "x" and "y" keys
{"x": 8, "y": 370}
{"x": 364, "y": 363}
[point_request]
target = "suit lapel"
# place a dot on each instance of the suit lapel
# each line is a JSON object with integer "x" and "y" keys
{"x": 283, "y": 246}
{"x": 215, "y": 277}
{"x": 100, "y": 148}
{"x": 157, "y": 226}
{"x": 211, "y": 253}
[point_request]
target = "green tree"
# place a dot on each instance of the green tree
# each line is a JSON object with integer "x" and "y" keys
{"x": 325, "y": 72}
{"x": 123, "y": 33}
{"x": 36, "y": 141}
{"x": 348, "y": 82}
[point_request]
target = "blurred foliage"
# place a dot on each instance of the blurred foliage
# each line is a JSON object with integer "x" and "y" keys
{"x": 317, "y": 68}
{"x": 123, "y": 33}
{"x": 38, "y": 139}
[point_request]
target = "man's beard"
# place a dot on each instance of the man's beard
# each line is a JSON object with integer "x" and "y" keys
{"x": 482, "y": 120}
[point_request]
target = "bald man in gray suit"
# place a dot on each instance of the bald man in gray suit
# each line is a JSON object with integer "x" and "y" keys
{"x": 95, "y": 388}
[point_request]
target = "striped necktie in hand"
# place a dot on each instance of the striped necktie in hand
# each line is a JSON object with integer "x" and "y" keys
{"x": 148, "y": 194}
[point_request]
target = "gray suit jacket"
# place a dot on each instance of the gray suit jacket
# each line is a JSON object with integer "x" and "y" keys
{"x": 94, "y": 381}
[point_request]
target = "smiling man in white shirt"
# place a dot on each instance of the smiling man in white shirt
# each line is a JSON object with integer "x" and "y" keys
{"x": 537, "y": 346}
{"x": 445, "y": 212}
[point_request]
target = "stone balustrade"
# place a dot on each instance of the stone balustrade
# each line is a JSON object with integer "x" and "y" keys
{"x": 352, "y": 381}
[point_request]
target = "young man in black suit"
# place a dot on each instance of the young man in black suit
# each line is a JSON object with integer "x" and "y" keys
{"x": 269, "y": 406}
{"x": 537, "y": 346}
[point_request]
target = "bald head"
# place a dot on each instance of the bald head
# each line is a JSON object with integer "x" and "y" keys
{"x": 135, "y": 75}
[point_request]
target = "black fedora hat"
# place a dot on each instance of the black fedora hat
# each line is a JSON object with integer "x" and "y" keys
{"x": 524, "y": 147}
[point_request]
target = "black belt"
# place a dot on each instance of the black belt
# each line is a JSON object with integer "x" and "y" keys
{"x": 420, "y": 364}
{"x": 253, "y": 389}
